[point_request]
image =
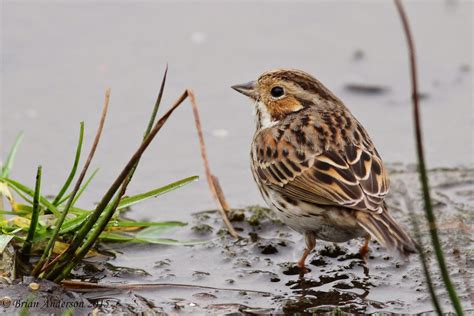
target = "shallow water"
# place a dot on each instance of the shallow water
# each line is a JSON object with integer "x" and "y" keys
{"x": 58, "y": 57}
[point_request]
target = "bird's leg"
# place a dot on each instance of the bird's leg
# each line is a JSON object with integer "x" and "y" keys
{"x": 303, "y": 259}
{"x": 310, "y": 240}
{"x": 365, "y": 248}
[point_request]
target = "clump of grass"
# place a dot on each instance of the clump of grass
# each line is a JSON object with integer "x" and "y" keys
{"x": 61, "y": 233}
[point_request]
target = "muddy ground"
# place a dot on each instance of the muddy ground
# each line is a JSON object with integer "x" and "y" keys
{"x": 257, "y": 274}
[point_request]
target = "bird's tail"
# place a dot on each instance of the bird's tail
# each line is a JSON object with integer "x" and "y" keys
{"x": 387, "y": 232}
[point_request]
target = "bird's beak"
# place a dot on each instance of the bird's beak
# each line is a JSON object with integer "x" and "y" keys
{"x": 248, "y": 89}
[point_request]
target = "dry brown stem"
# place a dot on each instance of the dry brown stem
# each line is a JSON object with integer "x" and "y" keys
{"x": 214, "y": 185}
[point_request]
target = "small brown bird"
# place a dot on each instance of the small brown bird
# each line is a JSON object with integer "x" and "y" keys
{"x": 316, "y": 166}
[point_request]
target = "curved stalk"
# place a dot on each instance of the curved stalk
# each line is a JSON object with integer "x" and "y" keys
{"x": 422, "y": 168}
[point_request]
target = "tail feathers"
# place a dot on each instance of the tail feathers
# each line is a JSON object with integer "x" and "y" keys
{"x": 387, "y": 232}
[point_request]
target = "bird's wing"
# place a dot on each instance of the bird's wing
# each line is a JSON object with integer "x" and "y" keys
{"x": 321, "y": 158}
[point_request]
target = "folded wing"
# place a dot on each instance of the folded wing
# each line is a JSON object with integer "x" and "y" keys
{"x": 318, "y": 163}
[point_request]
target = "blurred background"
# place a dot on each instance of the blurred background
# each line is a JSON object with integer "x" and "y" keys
{"x": 58, "y": 57}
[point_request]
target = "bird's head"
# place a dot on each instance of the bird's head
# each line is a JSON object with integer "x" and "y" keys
{"x": 280, "y": 92}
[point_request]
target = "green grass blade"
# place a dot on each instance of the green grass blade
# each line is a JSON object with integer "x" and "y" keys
{"x": 34, "y": 215}
{"x": 131, "y": 200}
{"x": 73, "y": 224}
{"x": 19, "y": 213}
{"x": 81, "y": 190}
{"x": 116, "y": 191}
{"x": 74, "y": 167}
{"x": 48, "y": 250}
{"x": 124, "y": 223}
{"x": 78, "y": 211}
{"x": 12, "y": 231}
{"x": 24, "y": 207}
{"x": 28, "y": 191}
{"x": 6, "y": 168}
{"x": 116, "y": 237}
{"x": 171, "y": 242}
{"x": 60, "y": 221}
{"x": 21, "y": 194}
{"x": 150, "y": 240}
{"x": 157, "y": 104}
{"x": 154, "y": 232}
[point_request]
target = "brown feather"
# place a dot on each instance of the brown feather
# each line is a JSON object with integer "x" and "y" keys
{"x": 387, "y": 232}
{"x": 308, "y": 165}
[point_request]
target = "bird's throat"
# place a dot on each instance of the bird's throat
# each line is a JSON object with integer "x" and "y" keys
{"x": 263, "y": 117}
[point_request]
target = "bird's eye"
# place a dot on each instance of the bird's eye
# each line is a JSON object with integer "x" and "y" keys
{"x": 277, "y": 92}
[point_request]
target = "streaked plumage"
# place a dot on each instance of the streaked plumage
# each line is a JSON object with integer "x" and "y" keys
{"x": 315, "y": 164}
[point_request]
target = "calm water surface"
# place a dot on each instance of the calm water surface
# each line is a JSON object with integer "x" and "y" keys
{"x": 58, "y": 58}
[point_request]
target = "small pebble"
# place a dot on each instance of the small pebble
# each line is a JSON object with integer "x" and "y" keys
{"x": 34, "y": 286}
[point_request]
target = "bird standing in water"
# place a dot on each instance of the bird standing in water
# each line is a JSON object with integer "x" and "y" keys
{"x": 316, "y": 166}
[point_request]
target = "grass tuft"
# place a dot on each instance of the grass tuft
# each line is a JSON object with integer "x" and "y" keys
{"x": 65, "y": 233}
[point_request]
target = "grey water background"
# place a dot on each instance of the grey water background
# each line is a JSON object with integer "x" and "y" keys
{"x": 59, "y": 56}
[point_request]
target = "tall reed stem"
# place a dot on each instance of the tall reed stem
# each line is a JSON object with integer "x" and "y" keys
{"x": 422, "y": 169}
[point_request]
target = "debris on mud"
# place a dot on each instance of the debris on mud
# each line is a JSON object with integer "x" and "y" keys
{"x": 258, "y": 274}
{"x": 366, "y": 88}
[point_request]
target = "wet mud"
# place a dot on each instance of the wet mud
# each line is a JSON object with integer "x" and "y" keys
{"x": 257, "y": 274}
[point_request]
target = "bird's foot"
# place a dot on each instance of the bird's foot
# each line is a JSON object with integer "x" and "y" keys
{"x": 301, "y": 262}
{"x": 364, "y": 250}
{"x": 303, "y": 269}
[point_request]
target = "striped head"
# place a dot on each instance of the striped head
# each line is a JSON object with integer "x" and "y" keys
{"x": 280, "y": 92}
